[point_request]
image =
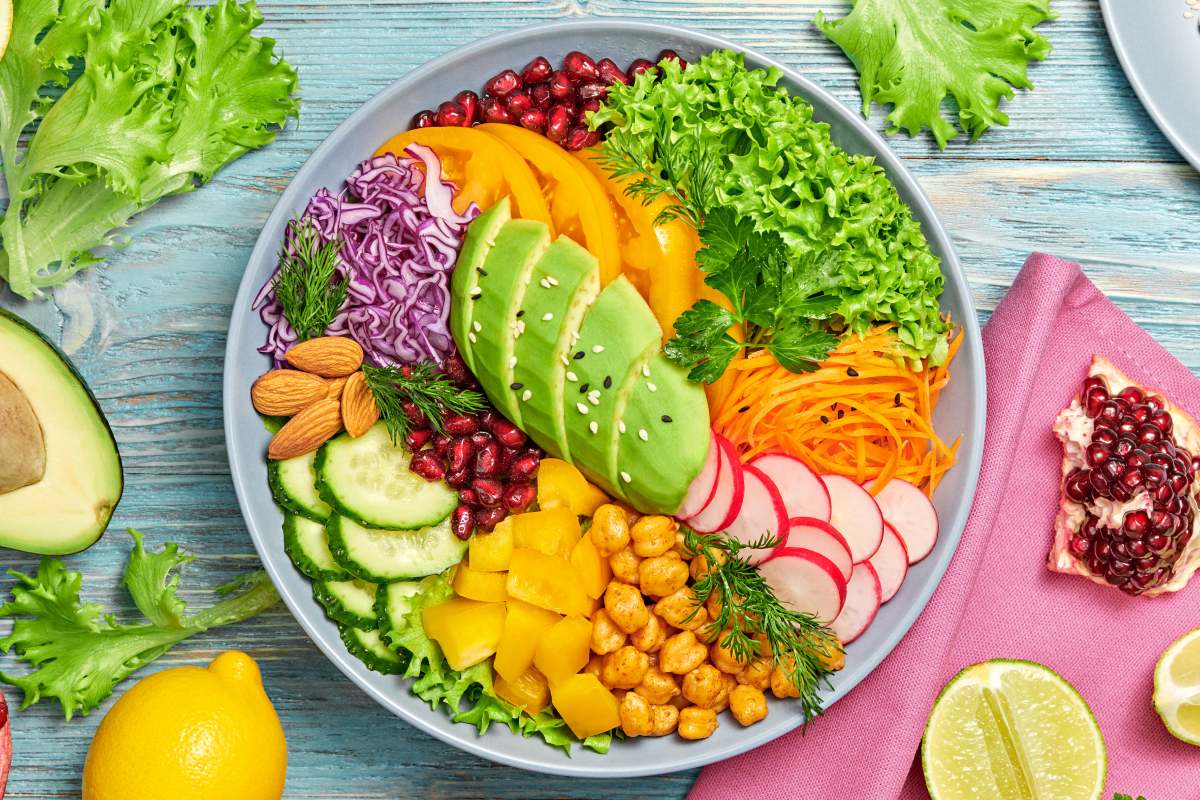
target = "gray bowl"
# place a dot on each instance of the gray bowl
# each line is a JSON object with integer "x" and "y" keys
{"x": 960, "y": 412}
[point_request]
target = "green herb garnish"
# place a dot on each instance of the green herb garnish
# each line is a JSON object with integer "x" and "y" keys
{"x": 800, "y": 645}
{"x": 656, "y": 167}
{"x": 80, "y": 652}
{"x": 308, "y": 286}
{"x": 422, "y": 385}
{"x": 781, "y": 302}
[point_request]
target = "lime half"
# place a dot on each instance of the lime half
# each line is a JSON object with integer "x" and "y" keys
{"x": 1012, "y": 730}
{"x": 1177, "y": 688}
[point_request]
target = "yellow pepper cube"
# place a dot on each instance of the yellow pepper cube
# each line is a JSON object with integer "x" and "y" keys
{"x": 561, "y": 484}
{"x": 564, "y": 649}
{"x": 553, "y": 532}
{"x": 547, "y": 582}
{"x": 475, "y": 585}
{"x": 466, "y": 630}
{"x": 585, "y": 705}
{"x": 530, "y": 692}
{"x": 524, "y": 626}
{"x": 593, "y": 569}
{"x": 490, "y": 552}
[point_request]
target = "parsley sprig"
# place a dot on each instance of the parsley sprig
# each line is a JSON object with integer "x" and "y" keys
{"x": 421, "y": 388}
{"x": 800, "y": 645}
{"x": 308, "y": 286}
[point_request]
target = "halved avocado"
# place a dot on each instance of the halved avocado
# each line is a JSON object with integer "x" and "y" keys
{"x": 60, "y": 472}
{"x": 481, "y": 236}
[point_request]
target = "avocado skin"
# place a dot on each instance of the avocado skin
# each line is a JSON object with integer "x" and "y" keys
{"x": 481, "y": 237}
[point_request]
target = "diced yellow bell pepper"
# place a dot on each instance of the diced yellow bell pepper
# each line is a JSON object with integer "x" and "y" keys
{"x": 564, "y": 649}
{"x": 490, "y": 552}
{"x": 529, "y": 691}
{"x": 585, "y": 705}
{"x": 466, "y": 630}
{"x": 553, "y": 531}
{"x": 524, "y": 626}
{"x": 593, "y": 569}
{"x": 476, "y": 585}
{"x": 547, "y": 582}
{"x": 560, "y": 483}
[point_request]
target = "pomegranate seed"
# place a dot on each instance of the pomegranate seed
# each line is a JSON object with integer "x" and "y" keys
{"x": 487, "y": 459}
{"x": 427, "y": 465}
{"x": 1110, "y": 410}
{"x": 1114, "y": 468}
{"x": 1124, "y": 446}
{"x": 424, "y": 119}
{"x": 489, "y": 518}
{"x": 468, "y": 497}
{"x": 1099, "y": 484}
{"x": 1119, "y": 491}
{"x": 1148, "y": 434}
{"x": 481, "y": 438}
{"x": 456, "y": 370}
{"x": 507, "y": 456}
{"x": 1093, "y": 380}
{"x": 1140, "y": 413}
{"x": 1101, "y": 550}
{"x": 489, "y": 491}
{"x": 561, "y": 86}
{"x": 672, "y": 56}
{"x": 451, "y": 115}
{"x": 639, "y": 66}
{"x": 462, "y": 522}
{"x": 523, "y": 468}
{"x": 1079, "y": 545}
{"x": 1155, "y": 404}
{"x": 579, "y": 138}
{"x": 469, "y": 101}
{"x": 586, "y": 107}
{"x": 534, "y": 119}
{"x": 503, "y": 84}
{"x": 1162, "y": 420}
{"x": 493, "y": 110}
{"x": 1097, "y": 454}
{"x": 610, "y": 73}
{"x": 487, "y": 420}
{"x": 537, "y": 70}
{"x": 460, "y": 425}
{"x": 508, "y": 434}
{"x": 1162, "y": 521}
{"x": 1156, "y": 474}
{"x": 461, "y": 451}
{"x": 580, "y": 66}
{"x": 518, "y": 496}
{"x": 1104, "y": 436}
{"x": 460, "y": 479}
{"x": 1131, "y": 395}
{"x": 415, "y": 439}
{"x": 1136, "y": 523}
{"x": 1127, "y": 425}
{"x": 441, "y": 444}
{"x": 518, "y": 103}
{"x": 414, "y": 414}
{"x": 1138, "y": 549}
{"x": 1133, "y": 478}
{"x": 558, "y": 122}
{"x": 539, "y": 93}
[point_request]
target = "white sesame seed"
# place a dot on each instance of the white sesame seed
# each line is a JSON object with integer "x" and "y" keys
{"x": 547, "y": 317}
{"x": 472, "y": 338}
{"x": 593, "y": 426}
{"x": 625, "y": 476}
{"x": 545, "y": 284}
{"x": 572, "y": 377}
{"x": 477, "y": 326}
{"x": 525, "y": 395}
{"x": 646, "y": 370}
{"x": 512, "y": 361}
{"x": 552, "y": 280}
{"x": 594, "y": 397}
{"x": 574, "y": 337}
{"x": 621, "y": 426}
{"x": 651, "y": 386}
{"x": 476, "y": 293}
{"x": 645, "y": 437}
{"x": 597, "y": 348}
{"x": 564, "y": 360}
{"x": 582, "y": 408}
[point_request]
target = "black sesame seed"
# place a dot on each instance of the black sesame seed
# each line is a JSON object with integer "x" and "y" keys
{"x": 824, "y": 419}
{"x": 481, "y": 271}
{"x": 841, "y": 413}
{"x": 608, "y": 381}
{"x": 896, "y": 399}
{"x": 583, "y": 389}
{"x": 520, "y": 313}
{"x": 666, "y": 419}
{"x": 743, "y": 409}
{"x": 852, "y": 372}
{"x": 515, "y": 385}
{"x": 579, "y": 355}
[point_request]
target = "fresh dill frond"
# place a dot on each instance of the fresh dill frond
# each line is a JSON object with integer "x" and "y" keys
{"x": 428, "y": 390}
{"x": 655, "y": 167}
{"x": 308, "y": 286}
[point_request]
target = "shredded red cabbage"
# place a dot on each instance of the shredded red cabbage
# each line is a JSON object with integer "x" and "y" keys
{"x": 401, "y": 236}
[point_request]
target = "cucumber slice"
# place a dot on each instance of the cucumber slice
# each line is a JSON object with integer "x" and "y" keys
{"x": 307, "y": 545}
{"x": 348, "y": 602}
{"x": 369, "y": 648}
{"x": 293, "y": 484}
{"x": 394, "y": 602}
{"x": 367, "y": 479}
{"x": 384, "y": 556}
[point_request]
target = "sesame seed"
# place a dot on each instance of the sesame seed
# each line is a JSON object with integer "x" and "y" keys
{"x": 621, "y": 426}
{"x": 594, "y": 397}
{"x": 608, "y": 381}
{"x": 547, "y": 317}
{"x": 476, "y": 293}
{"x": 666, "y": 419}
{"x": 579, "y": 355}
{"x": 643, "y": 435}
{"x": 545, "y": 284}
{"x": 481, "y": 271}
{"x": 553, "y": 281}
{"x": 512, "y": 361}
{"x": 841, "y": 413}
{"x": 743, "y": 409}
{"x": 597, "y": 348}
{"x": 651, "y": 386}
{"x": 896, "y": 399}
{"x": 584, "y": 388}
{"x": 471, "y": 337}
{"x": 574, "y": 337}
{"x": 583, "y": 409}
{"x": 645, "y": 370}
{"x": 625, "y": 476}
{"x": 824, "y": 419}
{"x": 526, "y": 395}
{"x": 852, "y": 372}
{"x": 593, "y": 426}
{"x": 520, "y": 313}
{"x": 477, "y": 326}
{"x": 571, "y": 376}
{"x": 564, "y": 361}
{"x": 516, "y": 385}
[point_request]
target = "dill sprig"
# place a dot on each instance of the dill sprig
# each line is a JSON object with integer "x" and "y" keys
{"x": 308, "y": 286}
{"x": 427, "y": 389}
{"x": 800, "y": 644}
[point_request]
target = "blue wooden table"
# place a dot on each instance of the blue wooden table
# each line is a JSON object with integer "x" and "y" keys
{"x": 1081, "y": 173}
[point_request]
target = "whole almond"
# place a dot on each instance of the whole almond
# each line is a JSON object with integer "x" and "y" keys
{"x": 327, "y": 356}
{"x": 333, "y": 387}
{"x": 359, "y": 409}
{"x": 307, "y": 431}
{"x": 283, "y": 392}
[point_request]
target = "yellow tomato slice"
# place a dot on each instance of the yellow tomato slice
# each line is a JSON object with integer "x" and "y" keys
{"x": 483, "y": 168}
{"x": 578, "y": 201}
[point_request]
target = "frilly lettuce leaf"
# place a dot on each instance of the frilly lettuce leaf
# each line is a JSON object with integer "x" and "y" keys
{"x": 912, "y": 53}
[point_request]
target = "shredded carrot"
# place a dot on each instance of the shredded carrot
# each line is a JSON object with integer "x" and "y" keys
{"x": 867, "y": 413}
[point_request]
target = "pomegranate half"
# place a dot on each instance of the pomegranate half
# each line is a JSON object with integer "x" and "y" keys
{"x": 1128, "y": 516}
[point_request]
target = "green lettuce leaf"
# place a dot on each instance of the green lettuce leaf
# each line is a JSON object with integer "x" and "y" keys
{"x": 911, "y": 54}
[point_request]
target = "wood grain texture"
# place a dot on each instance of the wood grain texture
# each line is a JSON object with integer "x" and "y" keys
{"x": 1081, "y": 173}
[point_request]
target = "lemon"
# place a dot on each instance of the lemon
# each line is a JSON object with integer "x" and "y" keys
{"x": 1012, "y": 730}
{"x": 5, "y": 24}
{"x": 1177, "y": 688}
{"x": 190, "y": 733}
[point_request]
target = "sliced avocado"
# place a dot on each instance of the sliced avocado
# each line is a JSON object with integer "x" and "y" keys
{"x": 61, "y": 477}
{"x": 496, "y": 298}
{"x": 563, "y": 284}
{"x": 618, "y": 335}
{"x": 662, "y": 437}
{"x": 481, "y": 236}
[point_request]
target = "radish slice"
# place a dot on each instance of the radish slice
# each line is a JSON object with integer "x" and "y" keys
{"x": 727, "y": 497}
{"x": 762, "y": 514}
{"x": 803, "y": 492}
{"x": 861, "y": 606}
{"x": 890, "y": 563}
{"x": 908, "y": 510}
{"x": 819, "y": 536}
{"x": 805, "y": 581}
{"x": 855, "y": 515}
{"x": 705, "y": 484}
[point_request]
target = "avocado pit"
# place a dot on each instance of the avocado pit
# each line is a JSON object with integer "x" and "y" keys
{"x": 21, "y": 442}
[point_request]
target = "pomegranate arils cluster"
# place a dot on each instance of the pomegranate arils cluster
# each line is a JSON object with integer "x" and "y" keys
{"x": 1129, "y": 511}
{"x": 552, "y": 102}
{"x": 485, "y": 457}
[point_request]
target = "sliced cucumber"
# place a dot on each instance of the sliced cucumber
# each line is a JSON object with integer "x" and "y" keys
{"x": 369, "y": 648}
{"x": 348, "y": 602}
{"x": 307, "y": 545}
{"x": 293, "y": 483}
{"x": 384, "y": 556}
{"x": 367, "y": 479}
{"x": 394, "y": 602}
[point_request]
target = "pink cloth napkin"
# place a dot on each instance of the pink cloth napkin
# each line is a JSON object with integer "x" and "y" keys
{"x": 997, "y": 599}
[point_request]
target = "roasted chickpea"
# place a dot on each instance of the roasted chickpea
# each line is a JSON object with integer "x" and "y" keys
{"x": 699, "y": 564}
{"x": 595, "y": 666}
{"x": 697, "y": 723}
{"x": 625, "y": 606}
{"x": 680, "y": 547}
{"x": 709, "y": 633}
{"x": 781, "y": 684}
{"x": 663, "y": 719}
{"x": 747, "y": 704}
{"x": 632, "y": 515}
{"x": 757, "y": 674}
{"x": 679, "y": 702}
{"x": 624, "y": 564}
{"x": 728, "y": 684}
{"x": 677, "y": 607}
{"x": 635, "y": 715}
{"x": 653, "y": 535}
{"x": 681, "y": 653}
{"x": 610, "y": 530}
{"x": 702, "y": 686}
{"x": 723, "y": 658}
{"x": 650, "y": 637}
{"x": 713, "y": 605}
{"x": 657, "y": 686}
{"x": 764, "y": 645}
{"x": 831, "y": 655}
{"x": 660, "y": 576}
{"x": 606, "y": 636}
{"x": 625, "y": 668}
